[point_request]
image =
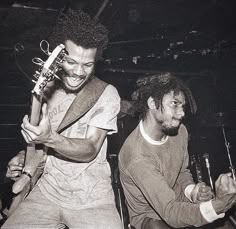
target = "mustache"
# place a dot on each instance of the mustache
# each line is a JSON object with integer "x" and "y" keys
{"x": 177, "y": 119}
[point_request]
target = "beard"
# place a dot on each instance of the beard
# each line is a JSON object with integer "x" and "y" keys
{"x": 62, "y": 85}
{"x": 171, "y": 131}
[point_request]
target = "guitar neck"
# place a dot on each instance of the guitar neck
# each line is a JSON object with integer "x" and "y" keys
{"x": 32, "y": 159}
{"x": 35, "y": 109}
{"x": 36, "y": 102}
{"x": 46, "y": 73}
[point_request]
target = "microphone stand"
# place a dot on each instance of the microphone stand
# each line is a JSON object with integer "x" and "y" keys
{"x": 227, "y": 145}
{"x": 206, "y": 157}
{"x": 231, "y": 167}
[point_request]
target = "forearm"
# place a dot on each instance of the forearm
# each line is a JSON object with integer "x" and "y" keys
{"x": 180, "y": 193}
{"x": 163, "y": 199}
{"x": 220, "y": 206}
{"x": 76, "y": 149}
{"x": 206, "y": 207}
{"x": 209, "y": 212}
{"x": 185, "y": 179}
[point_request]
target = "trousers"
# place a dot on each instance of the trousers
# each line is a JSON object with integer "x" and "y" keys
{"x": 36, "y": 211}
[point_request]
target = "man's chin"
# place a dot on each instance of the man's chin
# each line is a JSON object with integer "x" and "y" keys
{"x": 74, "y": 90}
{"x": 69, "y": 89}
{"x": 171, "y": 131}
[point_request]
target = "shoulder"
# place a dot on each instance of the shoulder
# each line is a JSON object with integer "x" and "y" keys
{"x": 108, "y": 88}
{"x": 104, "y": 112}
{"x": 109, "y": 98}
{"x": 111, "y": 90}
{"x": 131, "y": 148}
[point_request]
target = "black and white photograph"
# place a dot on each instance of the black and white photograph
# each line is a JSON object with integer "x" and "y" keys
{"x": 117, "y": 114}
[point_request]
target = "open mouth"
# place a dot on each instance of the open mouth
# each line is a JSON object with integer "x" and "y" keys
{"x": 74, "y": 81}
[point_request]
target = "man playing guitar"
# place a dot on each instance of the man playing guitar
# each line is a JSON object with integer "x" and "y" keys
{"x": 75, "y": 188}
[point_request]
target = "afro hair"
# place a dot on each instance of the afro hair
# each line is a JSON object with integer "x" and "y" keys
{"x": 79, "y": 27}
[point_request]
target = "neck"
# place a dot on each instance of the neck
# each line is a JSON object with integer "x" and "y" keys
{"x": 153, "y": 131}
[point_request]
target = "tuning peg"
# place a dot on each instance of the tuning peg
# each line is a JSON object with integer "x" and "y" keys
{"x": 36, "y": 74}
{"x": 38, "y": 61}
{"x": 56, "y": 76}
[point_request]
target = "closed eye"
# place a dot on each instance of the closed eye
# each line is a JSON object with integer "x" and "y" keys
{"x": 89, "y": 64}
{"x": 70, "y": 61}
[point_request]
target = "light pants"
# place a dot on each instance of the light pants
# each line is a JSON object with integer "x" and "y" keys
{"x": 36, "y": 211}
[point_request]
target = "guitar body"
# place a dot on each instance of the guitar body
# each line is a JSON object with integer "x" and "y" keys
{"x": 33, "y": 157}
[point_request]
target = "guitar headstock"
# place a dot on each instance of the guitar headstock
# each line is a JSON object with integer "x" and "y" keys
{"x": 49, "y": 68}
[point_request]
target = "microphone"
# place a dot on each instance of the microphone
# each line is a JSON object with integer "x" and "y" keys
{"x": 206, "y": 158}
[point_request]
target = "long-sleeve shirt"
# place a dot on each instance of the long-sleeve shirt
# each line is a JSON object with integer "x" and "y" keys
{"x": 154, "y": 177}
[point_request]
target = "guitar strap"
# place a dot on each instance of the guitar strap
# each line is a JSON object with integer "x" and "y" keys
{"x": 83, "y": 102}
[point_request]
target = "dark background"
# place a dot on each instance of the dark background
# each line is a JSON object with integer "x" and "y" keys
{"x": 194, "y": 39}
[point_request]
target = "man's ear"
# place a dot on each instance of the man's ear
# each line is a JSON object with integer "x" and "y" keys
{"x": 151, "y": 103}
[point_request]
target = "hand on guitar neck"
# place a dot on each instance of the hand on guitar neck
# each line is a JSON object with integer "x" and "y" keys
{"x": 16, "y": 164}
{"x": 39, "y": 134}
{"x": 25, "y": 173}
{"x": 32, "y": 135}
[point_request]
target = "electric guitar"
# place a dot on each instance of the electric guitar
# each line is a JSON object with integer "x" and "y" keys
{"x": 33, "y": 157}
